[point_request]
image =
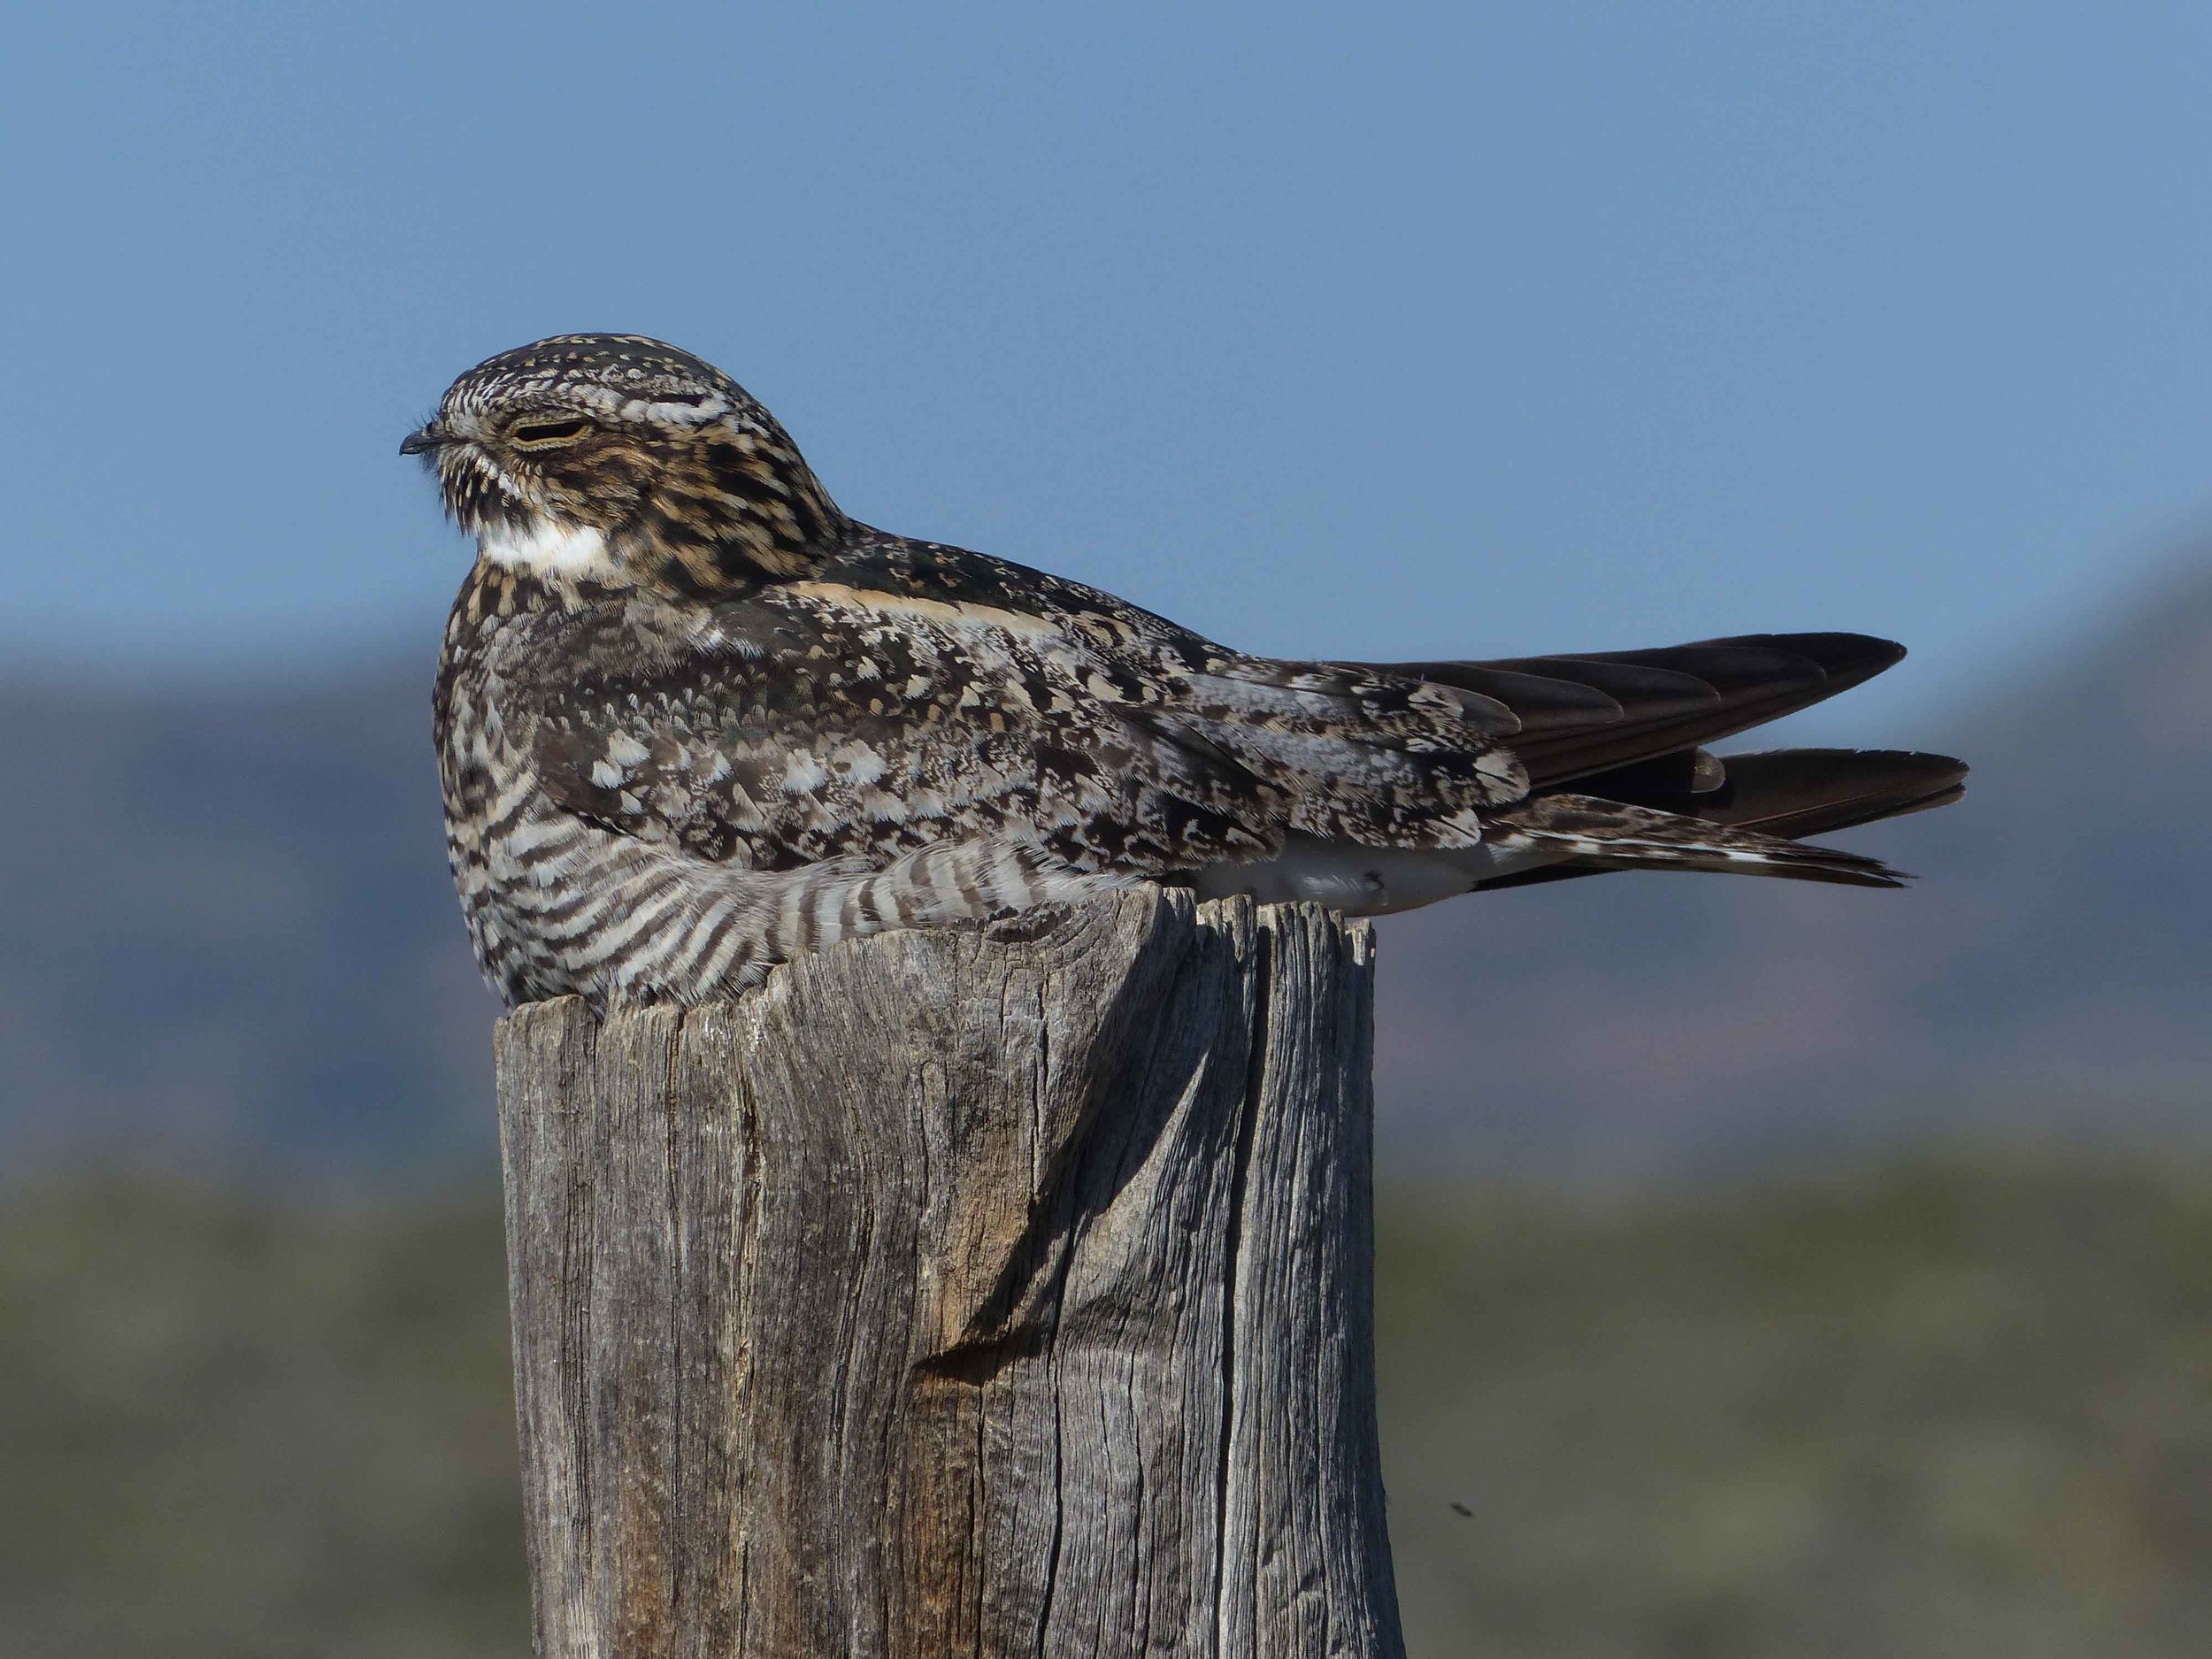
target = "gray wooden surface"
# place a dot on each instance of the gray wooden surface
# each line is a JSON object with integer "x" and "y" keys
{"x": 997, "y": 1294}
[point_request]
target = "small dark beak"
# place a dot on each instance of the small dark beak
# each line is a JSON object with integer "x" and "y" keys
{"x": 422, "y": 441}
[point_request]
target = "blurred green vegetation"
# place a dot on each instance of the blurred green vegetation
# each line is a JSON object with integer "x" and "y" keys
{"x": 1954, "y": 1408}
{"x": 233, "y": 1428}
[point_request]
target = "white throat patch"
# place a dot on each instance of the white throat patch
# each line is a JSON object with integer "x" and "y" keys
{"x": 547, "y": 548}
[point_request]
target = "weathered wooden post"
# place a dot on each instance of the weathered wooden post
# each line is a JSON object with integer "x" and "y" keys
{"x": 1000, "y": 1294}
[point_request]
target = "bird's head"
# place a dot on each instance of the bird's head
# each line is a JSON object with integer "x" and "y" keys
{"x": 618, "y": 460}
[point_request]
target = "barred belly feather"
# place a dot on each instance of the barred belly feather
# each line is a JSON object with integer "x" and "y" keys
{"x": 557, "y": 904}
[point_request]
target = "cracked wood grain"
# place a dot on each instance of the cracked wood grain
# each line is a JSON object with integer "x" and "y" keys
{"x": 1000, "y": 1294}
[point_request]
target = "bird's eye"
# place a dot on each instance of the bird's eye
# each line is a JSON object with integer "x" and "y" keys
{"x": 548, "y": 432}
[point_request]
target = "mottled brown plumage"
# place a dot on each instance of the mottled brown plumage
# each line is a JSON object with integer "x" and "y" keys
{"x": 692, "y": 718}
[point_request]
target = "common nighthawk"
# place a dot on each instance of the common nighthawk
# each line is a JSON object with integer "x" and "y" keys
{"x": 692, "y": 719}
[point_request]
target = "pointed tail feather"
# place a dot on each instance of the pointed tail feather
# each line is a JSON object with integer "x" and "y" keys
{"x": 1811, "y": 791}
{"x": 1786, "y": 791}
{"x": 1782, "y": 793}
{"x": 1598, "y": 834}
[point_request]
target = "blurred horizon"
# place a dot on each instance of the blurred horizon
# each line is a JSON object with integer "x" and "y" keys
{"x": 305, "y": 1007}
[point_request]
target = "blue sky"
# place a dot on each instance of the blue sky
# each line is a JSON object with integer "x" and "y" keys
{"x": 1473, "y": 329}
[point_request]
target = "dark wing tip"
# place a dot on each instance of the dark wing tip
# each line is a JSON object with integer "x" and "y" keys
{"x": 1572, "y": 715}
{"x": 1839, "y": 661}
{"x": 1845, "y": 659}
